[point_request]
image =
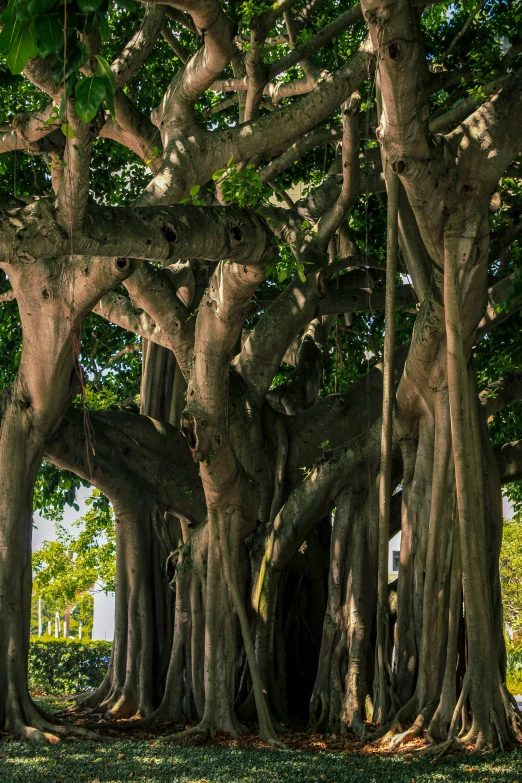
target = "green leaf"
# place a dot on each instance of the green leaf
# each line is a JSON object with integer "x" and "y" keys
{"x": 302, "y": 276}
{"x": 89, "y": 95}
{"x": 9, "y": 15}
{"x": 67, "y": 130}
{"x": 104, "y": 29}
{"x": 217, "y": 174}
{"x": 194, "y": 190}
{"x": 22, "y": 50}
{"x": 127, "y": 5}
{"x": 104, "y": 70}
{"x": 9, "y": 36}
{"x": 89, "y": 5}
{"x": 49, "y": 32}
{"x": 40, "y": 7}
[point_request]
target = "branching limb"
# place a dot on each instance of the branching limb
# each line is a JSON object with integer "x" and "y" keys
{"x": 245, "y": 141}
{"x": 140, "y": 45}
{"x": 134, "y": 131}
{"x": 490, "y": 140}
{"x": 497, "y": 295}
{"x": 202, "y": 69}
{"x": 154, "y": 291}
{"x": 119, "y": 310}
{"x": 328, "y": 223}
{"x": 501, "y": 393}
{"x": 304, "y": 144}
{"x": 150, "y": 456}
{"x": 178, "y": 48}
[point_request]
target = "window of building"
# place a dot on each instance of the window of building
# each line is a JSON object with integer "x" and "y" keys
{"x": 395, "y": 561}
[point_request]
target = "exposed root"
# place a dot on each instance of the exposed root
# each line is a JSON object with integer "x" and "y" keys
{"x": 197, "y": 735}
{"x": 42, "y": 732}
{"x": 400, "y": 739}
{"x": 385, "y": 733}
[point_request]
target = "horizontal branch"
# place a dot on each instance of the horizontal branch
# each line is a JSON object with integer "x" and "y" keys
{"x": 499, "y": 394}
{"x": 509, "y": 461}
{"x": 30, "y": 231}
{"x": 497, "y": 295}
{"x": 119, "y": 310}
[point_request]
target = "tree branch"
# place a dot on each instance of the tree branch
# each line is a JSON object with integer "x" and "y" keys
{"x": 217, "y": 30}
{"x": 119, "y": 310}
{"x": 154, "y": 291}
{"x": 501, "y": 393}
{"x": 146, "y": 233}
{"x": 140, "y": 45}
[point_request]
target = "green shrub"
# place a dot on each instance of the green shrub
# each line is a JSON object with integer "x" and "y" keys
{"x": 67, "y": 665}
{"x": 514, "y": 666}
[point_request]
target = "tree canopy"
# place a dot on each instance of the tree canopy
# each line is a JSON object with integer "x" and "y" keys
{"x": 262, "y": 289}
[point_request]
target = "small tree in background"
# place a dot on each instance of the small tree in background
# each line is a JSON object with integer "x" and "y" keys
{"x": 65, "y": 570}
{"x": 511, "y": 572}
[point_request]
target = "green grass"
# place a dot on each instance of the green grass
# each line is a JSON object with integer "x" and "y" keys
{"x": 149, "y": 760}
{"x": 152, "y": 761}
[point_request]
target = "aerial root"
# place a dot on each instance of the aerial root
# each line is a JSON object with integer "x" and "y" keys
{"x": 42, "y": 732}
{"x": 494, "y": 719}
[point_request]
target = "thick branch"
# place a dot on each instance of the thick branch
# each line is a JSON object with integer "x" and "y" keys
{"x": 217, "y": 30}
{"x": 120, "y": 311}
{"x": 501, "y": 393}
{"x": 140, "y": 45}
{"x": 154, "y": 291}
{"x": 148, "y": 233}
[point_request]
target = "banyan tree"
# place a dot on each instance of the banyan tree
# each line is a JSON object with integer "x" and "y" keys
{"x": 298, "y": 224}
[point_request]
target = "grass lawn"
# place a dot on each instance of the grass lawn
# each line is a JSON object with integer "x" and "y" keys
{"x": 148, "y": 759}
{"x": 143, "y": 760}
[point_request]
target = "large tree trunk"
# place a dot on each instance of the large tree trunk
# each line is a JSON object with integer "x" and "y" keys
{"x": 21, "y": 448}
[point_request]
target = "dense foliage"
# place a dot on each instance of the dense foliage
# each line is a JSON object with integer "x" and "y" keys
{"x": 67, "y": 666}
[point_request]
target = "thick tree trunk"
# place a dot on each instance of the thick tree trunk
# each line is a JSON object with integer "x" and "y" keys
{"x": 21, "y": 448}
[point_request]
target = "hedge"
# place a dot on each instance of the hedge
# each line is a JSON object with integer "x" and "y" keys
{"x": 67, "y": 665}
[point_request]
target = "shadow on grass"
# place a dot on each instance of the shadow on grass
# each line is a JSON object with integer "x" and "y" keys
{"x": 150, "y": 760}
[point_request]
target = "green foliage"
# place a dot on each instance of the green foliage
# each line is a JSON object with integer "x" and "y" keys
{"x": 66, "y": 568}
{"x": 510, "y": 576}
{"x": 67, "y": 666}
{"x": 240, "y": 185}
{"x": 48, "y": 29}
